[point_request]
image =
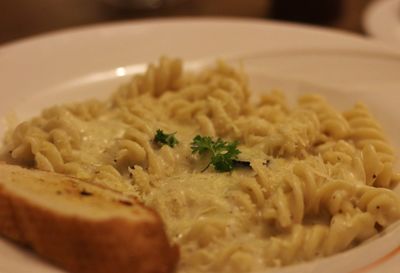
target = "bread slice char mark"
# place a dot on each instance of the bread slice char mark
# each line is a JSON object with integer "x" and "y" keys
{"x": 81, "y": 226}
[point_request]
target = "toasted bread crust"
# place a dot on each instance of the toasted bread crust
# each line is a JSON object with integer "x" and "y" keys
{"x": 84, "y": 245}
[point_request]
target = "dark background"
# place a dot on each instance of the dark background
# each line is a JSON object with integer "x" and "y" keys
{"x": 22, "y": 18}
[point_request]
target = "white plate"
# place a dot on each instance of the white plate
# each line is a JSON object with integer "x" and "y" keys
{"x": 382, "y": 20}
{"x": 89, "y": 62}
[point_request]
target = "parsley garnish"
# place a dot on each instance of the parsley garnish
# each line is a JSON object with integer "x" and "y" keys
{"x": 163, "y": 138}
{"x": 222, "y": 153}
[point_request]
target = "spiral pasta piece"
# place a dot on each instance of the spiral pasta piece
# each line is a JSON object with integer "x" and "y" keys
{"x": 332, "y": 122}
{"x": 157, "y": 79}
{"x": 383, "y": 204}
{"x": 294, "y": 136}
{"x": 366, "y": 131}
{"x": 378, "y": 155}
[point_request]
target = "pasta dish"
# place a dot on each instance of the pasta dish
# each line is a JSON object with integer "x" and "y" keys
{"x": 241, "y": 183}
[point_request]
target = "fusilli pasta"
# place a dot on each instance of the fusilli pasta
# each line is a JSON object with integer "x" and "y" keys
{"x": 311, "y": 181}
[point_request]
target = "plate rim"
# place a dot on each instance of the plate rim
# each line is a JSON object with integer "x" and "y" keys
{"x": 375, "y": 9}
{"x": 110, "y": 25}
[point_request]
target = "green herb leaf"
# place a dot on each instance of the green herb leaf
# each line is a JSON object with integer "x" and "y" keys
{"x": 222, "y": 153}
{"x": 165, "y": 139}
{"x": 201, "y": 144}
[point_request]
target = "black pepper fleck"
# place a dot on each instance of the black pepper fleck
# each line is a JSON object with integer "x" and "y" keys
{"x": 85, "y": 193}
{"x": 125, "y": 202}
{"x": 378, "y": 227}
{"x": 266, "y": 163}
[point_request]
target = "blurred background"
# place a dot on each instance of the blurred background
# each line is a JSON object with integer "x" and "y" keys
{"x": 22, "y": 18}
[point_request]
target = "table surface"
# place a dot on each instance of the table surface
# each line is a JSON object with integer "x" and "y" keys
{"x": 22, "y": 18}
